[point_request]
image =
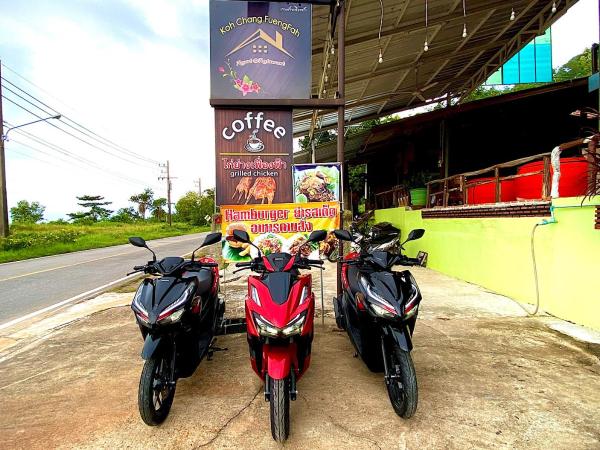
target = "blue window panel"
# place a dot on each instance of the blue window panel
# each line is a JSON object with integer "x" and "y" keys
{"x": 543, "y": 57}
{"x": 527, "y": 64}
{"x": 511, "y": 70}
{"x": 533, "y": 64}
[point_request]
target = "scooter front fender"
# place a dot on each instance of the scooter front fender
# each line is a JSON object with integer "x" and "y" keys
{"x": 401, "y": 336}
{"x": 279, "y": 360}
{"x": 151, "y": 345}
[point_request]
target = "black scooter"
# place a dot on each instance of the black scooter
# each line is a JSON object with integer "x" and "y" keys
{"x": 378, "y": 308}
{"x": 179, "y": 313}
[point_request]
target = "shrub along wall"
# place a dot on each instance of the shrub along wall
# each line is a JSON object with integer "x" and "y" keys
{"x": 495, "y": 252}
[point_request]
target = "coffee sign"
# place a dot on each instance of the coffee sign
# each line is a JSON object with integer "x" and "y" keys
{"x": 260, "y": 49}
{"x": 253, "y": 156}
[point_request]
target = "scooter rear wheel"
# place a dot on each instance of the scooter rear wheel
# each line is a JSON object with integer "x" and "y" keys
{"x": 280, "y": 408}
{"x": 155, "y": 394}
{"x": 402, "y": 387}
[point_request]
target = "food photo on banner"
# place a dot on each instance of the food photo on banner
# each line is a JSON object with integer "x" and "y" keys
{"x": 316, "y": 182}
{"x": 253, "y": 156}
{"x": 276, "y": 228}
{"x": 260, "y": 49}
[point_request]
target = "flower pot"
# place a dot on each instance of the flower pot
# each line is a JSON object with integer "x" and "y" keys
{"x": 418, "y": 196}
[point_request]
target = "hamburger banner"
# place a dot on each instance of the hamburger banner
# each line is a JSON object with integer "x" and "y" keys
{"x": 276, "y": 228}
{"x": 253, "y": 156}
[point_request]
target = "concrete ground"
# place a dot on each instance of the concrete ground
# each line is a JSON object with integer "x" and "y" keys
{"x": 488, "y": 376}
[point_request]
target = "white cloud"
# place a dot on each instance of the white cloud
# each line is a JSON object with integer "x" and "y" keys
{"x": 146, "y": 92}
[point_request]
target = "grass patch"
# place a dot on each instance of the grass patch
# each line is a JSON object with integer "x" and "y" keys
{"x": 32, "y": 241}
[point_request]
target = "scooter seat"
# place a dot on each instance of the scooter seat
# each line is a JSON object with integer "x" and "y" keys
{"x": 204, "y": 277}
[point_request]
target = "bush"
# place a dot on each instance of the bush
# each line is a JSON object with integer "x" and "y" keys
{"x": 26, "y": 240}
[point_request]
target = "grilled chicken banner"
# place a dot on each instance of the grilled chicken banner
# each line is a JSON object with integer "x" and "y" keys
{"x": 253, "y": 156}
{"x": 317, "y": 182}
{"x": 276, "y": 228}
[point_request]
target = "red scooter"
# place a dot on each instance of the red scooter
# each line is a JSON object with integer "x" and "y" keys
{"x": 280, "y": 309}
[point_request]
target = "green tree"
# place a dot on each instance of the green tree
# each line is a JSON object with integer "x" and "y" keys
{"x": 143, "y": 200}
{"x": 96, "y": 209}
{"x": 158, "y": 208}
{"x": 578, "y": 66}
{"x": 26, "y": 212}
{"x": 125, "y": 215}
{"x": 195, "y": 208}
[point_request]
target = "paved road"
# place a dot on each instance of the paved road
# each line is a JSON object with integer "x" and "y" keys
{"x": 30, "y": 285}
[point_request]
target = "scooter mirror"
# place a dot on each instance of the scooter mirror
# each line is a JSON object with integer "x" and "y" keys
{"x": 415, "y": 234}
{"x": 138, "y": 242}
{"x": 211, "y": 239}
{"x": 317, "y": 236}
{"x": 241, "y": 236}
{"x": 343, "y": 235}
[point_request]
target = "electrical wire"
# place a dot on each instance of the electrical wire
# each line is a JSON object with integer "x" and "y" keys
{"x": 87, "y": 132}
{"x": 75, "y": 157}
{"x": 81, "y": 164}
{"x": 71, "y": 134}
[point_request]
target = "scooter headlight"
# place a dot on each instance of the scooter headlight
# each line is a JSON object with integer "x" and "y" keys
{"x": 175, "y": 310}
{"x": 264, "y": 327}
{"x": 379, "y": 305}
{"x": 295, "y": 325}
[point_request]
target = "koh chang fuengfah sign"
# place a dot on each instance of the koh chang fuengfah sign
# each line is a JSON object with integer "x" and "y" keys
{"x": 253, "y": 156}
{"x": 260, "y": 50}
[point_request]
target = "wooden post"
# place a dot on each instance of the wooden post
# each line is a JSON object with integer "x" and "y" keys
{"x": 547, "y": 179}
{"x": 445, "y": 193}
{"x": 497, "y": 184}
{"x": 591, "y": 158}
{"x": 463, "y": 189}
{"x": 428, "y": 199}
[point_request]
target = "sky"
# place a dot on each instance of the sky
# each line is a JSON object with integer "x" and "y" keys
{"x": 135, "y": 72}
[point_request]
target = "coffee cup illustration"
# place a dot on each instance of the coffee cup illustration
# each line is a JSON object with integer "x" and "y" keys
{"x": 254, "y": 144}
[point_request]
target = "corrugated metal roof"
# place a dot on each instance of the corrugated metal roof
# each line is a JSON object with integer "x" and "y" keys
{"x": 453, "y": 65}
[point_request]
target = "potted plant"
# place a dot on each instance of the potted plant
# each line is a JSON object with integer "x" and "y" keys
{"x": 418, "y": 187}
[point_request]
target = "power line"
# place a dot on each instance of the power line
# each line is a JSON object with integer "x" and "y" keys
{"x": 89, "y": 133}
{"x": 78, "y": 163}
{"x": 76, "y": 157}
{"x": 71, "y": 134}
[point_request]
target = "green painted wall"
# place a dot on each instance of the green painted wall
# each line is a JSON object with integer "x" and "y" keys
{"x": 496, "y": 253}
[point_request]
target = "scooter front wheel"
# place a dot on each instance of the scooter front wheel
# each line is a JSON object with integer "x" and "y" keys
{"x": 280, "y": 408}
{"x": 156, "y": 392}
{"x": 402, "y": 383}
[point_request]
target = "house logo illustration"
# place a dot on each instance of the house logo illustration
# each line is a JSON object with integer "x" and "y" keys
{"x": 261, "y": 41}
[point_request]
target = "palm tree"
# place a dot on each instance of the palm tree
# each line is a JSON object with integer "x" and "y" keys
{"x": 143, "y": 200}
{"x": 157, "y": 207}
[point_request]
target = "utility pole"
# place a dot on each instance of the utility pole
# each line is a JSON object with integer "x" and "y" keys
{"x": 3, "y": 202}
{"x": 198, "y": 184}
{"x": 167, "y": 176}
